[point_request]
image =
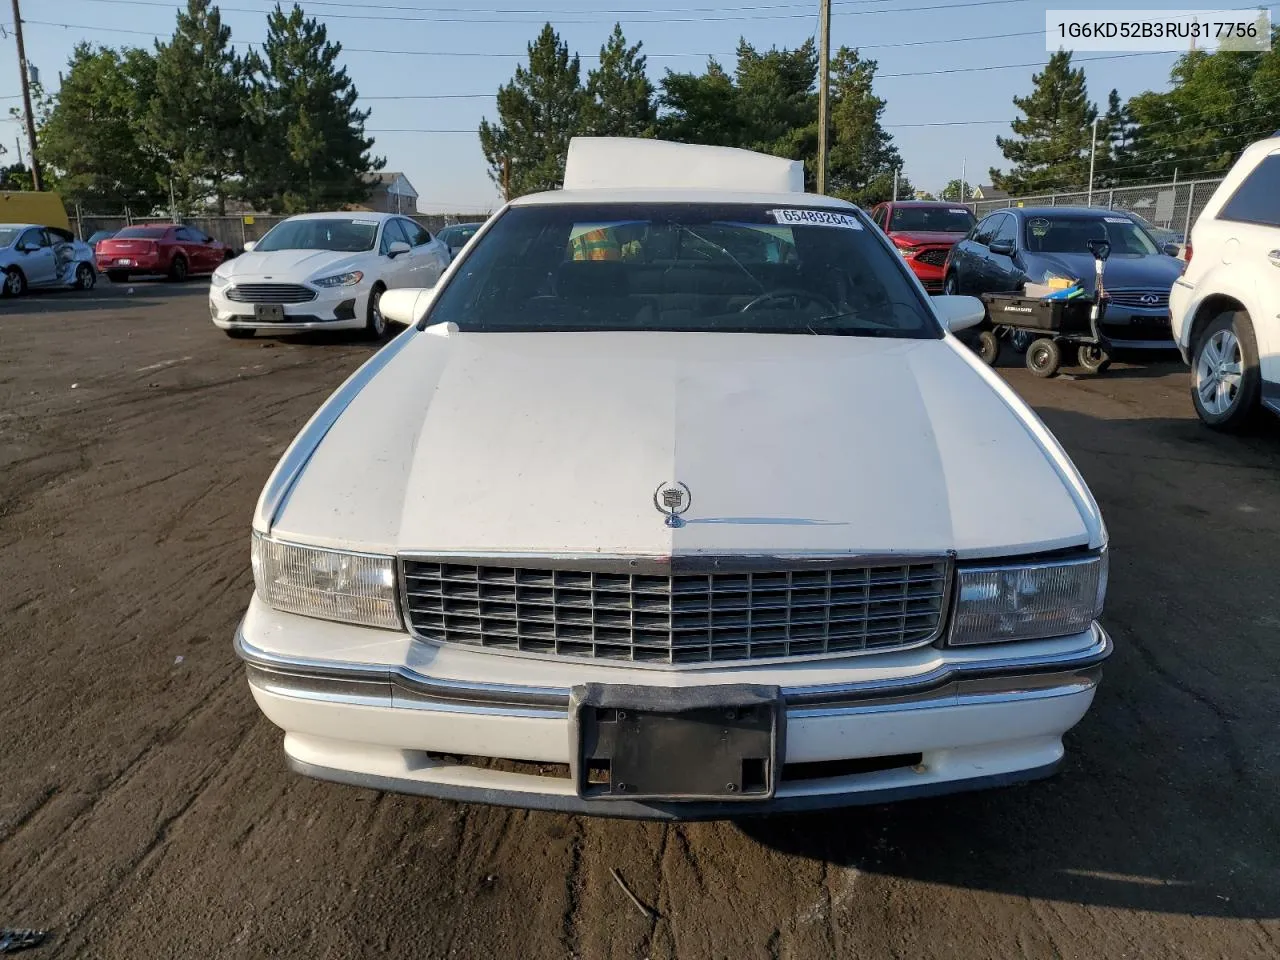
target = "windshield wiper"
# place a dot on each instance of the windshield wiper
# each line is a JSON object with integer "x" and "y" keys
{"x": 715, "y": 246}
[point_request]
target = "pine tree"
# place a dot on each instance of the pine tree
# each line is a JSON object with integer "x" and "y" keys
{"x": 1113, "y": 143}
{"x": 701, "y": 108}
{"x": 619, "y": 96}
{"x": 862, "y": 155}
{"x": 538, "y": 113}
{"x": 776, "y": 102}
{"x": 197, "y": 116}
{"x": 1051, "y": 149}
{"x": 310, "y": 152}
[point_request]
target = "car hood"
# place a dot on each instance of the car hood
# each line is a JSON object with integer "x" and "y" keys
{"x": 292, "y": 265}
{"x": 553, "y": 443}
{"x": 927, "y": 236}
{"x": 1157, "y": 272}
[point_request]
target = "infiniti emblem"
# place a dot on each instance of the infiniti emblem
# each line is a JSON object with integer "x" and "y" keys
{"x": 1150, "y": 299}
{"x": 672, "y": 499}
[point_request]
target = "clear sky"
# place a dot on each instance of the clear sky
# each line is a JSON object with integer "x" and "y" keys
{"x": 461, "y": 50}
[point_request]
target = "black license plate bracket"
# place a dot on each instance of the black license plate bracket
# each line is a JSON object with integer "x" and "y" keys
{"x": 662, "y": 744}
{"x": 268, "y": 313}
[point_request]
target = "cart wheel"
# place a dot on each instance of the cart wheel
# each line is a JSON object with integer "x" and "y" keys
{"x": 1093, "y": 357}
{"x": 1043, "y": 357}
{"x": 989, "y": 347}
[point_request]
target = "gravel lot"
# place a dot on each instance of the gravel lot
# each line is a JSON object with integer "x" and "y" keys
{"x": 145, "y": 809}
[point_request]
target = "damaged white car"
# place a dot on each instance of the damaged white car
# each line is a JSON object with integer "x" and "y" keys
{"x": 675, "y": 502}
{"x": 33, "y": 256}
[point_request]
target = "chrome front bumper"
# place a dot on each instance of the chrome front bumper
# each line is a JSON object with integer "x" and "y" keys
{"x": 976, "y": 724}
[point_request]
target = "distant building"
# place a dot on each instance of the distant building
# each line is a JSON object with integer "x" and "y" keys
{"x": 392, "y": 193}
{"x": 989, "y": 193}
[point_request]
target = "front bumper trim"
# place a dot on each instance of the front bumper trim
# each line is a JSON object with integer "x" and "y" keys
{"x": 998, "y": 678}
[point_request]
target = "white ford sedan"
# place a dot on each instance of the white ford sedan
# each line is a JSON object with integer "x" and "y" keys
{"x": 323, "y": 271}
{"x": 674, "y": 502}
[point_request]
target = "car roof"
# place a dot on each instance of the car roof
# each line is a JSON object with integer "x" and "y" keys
{"x": 22, "y": 226}
{"x": 934, "y": 204}
{"x": 678, "y": 195}
{"x": 1076, "y": 212}
{"x": 349, "y": 215}
{"x": 453, "y": 226}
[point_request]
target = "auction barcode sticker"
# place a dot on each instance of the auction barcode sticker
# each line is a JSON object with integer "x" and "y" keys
{"x": 1173, "y": 31}
{"x": 819, "y": 218}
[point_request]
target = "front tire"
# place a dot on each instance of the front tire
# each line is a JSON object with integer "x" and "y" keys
{"x": 1044, "y": 357}
{"x": 989, "y": 347}
{"x": 375, "y": 326}
{"x": 1093, "y": 357}
{"x": 15, "y": 283}
{"x": 1225, "y": 379}
{"x": 950, "y": 286}
{"x": 86, "y": 277}
{"x": 178, "y": 269}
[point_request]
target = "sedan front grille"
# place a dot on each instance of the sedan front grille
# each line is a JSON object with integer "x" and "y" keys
{"x": 270, "y": 293}
{"x": 934, "y": 256}
{"x": 679, "y": 618}
{"x": 1140, "y": 299}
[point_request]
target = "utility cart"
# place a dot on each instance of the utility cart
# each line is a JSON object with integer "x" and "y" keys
{"x": 1054, "y": 323}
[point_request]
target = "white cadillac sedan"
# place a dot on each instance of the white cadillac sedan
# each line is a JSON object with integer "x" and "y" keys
{"x": 674, "y": 502}
{"x": 323, "y": 271}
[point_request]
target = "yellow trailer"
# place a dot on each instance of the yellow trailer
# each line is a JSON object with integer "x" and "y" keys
{"x": 29, "y": 206}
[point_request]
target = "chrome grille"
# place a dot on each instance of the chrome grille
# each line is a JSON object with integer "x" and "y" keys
{"x": 934, "y": 256}
{"x": 1133, "y": 299}
{"x": 270, "y": 293}
{"x": 677, "y": 618}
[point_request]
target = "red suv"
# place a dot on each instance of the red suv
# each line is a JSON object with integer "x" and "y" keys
{"x": 924, "y": 232}
{"x": 169, "y": 248}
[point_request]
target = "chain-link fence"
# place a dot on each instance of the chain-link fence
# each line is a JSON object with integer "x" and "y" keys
{"x": 1171, "y": 206}
{"x": 236, "y": 231}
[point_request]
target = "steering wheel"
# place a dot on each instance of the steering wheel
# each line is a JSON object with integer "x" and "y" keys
{"x": 791, "y": 293}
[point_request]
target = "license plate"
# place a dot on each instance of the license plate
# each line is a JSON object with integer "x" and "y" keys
{"x": 671, "y": 744}
{"x": 268, "y": 313}
{"x": 125, "y": 263}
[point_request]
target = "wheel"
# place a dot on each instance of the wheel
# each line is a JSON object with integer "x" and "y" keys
{"x": 118, "y": 276}
{"x": 15, "y": 283}
{"x": 178, "y": 269}
{"x": 1225, "y": 381}
{"x": 1021, "y": 339}
{"x": 989, "y": 347}
{"x": 86, "y": 277}
{"x": 949, "y": 286}
{"x": 238, "y": 334}
{"x": 1093, "y": 357}
{"x": 375, "y": 327}
{"x": 1043, "y": 357}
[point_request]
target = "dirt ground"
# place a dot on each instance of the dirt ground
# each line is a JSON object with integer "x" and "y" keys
{"x": 145, "y": 809}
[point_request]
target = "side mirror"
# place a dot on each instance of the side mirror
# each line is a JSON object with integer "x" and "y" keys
{"x": 1100, "y": 249}
{"x": 249, "y": 245}
{"x": 397, "y": 247}
{"x": 1172, "y": 249}
{"x": 956, "y": 313}
{"x": 1003, "y": 247}
{"x": 406, "y": 305}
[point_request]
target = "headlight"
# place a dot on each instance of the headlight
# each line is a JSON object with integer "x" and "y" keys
{"x": 218, "y": 280}
{"x": 1028, "y": 601}
{"x": 908, "y": 252}
{"x": 330, "y": 584}
{"x": 341, "y": 280}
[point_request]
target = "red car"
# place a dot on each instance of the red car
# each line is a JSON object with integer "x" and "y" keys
{"x": 924, "y": 232}
{"x": 168, "y": 248}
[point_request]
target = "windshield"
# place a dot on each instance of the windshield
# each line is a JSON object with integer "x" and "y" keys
{"x": 688, "y": 267}
{"x": 8, "y": 235}
{"x": 932, "y": 219}
{"x": 456, "y": 236}
{"x": 1072, "y": 235}
{"x": 343, "y": 235}
{"x": 141, "y": 233}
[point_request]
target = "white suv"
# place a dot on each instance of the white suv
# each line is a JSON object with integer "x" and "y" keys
{"x": 1226, "y": 306}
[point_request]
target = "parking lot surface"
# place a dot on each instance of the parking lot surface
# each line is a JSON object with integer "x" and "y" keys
{"x": 145, "y": 809}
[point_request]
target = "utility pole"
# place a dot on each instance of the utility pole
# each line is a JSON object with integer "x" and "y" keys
{"x": 36, "y": 182}
{"x": 964, "y": 163}
{"x": 896, "y": 170}
{"x": 824, "y": 88}
{"x": 1093, "y": 150}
